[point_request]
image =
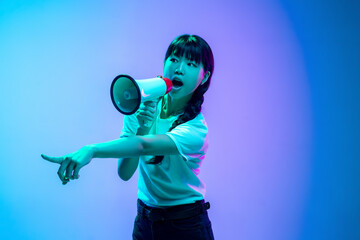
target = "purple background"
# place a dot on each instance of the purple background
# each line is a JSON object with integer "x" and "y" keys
{"x": 282, "y": 110}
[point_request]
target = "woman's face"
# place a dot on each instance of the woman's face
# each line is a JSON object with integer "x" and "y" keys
{"x": 185, "y": 75}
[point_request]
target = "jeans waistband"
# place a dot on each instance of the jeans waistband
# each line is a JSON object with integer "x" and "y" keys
{"x": 172, "y": 213}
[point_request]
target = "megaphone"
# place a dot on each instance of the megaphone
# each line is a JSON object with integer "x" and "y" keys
{"x": 127, "y": 93}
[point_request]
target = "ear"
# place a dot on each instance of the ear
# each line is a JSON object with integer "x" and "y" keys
{"x": 206, "y": 77}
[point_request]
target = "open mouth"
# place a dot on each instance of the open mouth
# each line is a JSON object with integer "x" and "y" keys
{"x": 176, "y": 83}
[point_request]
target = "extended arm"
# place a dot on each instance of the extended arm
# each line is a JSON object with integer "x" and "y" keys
{"x": 130, "y": 147}
{"x": 119, "y": 148}
{"x": 135, "y": 146}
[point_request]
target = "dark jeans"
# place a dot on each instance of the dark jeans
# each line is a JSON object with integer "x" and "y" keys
{"x": 189, "y": 221}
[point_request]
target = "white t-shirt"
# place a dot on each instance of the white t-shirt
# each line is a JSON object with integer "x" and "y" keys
{"x": 175, "y": 180}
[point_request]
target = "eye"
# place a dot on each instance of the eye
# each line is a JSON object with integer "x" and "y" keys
{"x": 174, "y": 60}
{"x": 192, "y": 64}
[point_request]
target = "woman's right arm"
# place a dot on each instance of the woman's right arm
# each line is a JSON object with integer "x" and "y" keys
{"x": 127, "y": 166}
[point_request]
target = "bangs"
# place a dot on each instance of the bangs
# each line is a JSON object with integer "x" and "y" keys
{"x": 189, "y": 48}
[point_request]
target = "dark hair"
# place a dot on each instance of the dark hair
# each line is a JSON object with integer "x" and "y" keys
{"x": 195, "y": 49}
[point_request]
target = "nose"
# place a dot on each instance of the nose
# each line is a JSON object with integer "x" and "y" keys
{"x": 180, "y": 69}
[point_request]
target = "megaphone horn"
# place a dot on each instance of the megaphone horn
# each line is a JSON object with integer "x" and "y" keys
{"x": 127, "y": 93}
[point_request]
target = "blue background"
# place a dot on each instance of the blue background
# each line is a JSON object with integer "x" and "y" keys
{"x": 283, "y": 113}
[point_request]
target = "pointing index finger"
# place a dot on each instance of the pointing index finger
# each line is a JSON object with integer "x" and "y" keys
{"x": 53, "y": 159}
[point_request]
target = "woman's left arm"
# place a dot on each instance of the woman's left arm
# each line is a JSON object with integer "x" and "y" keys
{"x": 132, "y": 146}
{"x": 135, "y": 146}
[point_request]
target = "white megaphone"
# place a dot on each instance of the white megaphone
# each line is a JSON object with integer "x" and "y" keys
{"x": 127, "y": 93}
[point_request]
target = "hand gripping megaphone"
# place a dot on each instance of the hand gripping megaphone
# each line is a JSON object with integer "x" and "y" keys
{"x": 127, "y": 93}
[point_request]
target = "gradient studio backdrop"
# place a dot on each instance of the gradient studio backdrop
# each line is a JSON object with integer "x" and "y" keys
{"x": 283, "y": 113}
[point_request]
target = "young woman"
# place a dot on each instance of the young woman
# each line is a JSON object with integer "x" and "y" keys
{"x": 168, "y": 151}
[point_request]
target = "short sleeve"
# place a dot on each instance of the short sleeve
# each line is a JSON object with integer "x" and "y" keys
{"x": 130, "y": 126}
{"x": 191, "y": 138}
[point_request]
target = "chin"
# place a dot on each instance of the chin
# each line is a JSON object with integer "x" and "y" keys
{"x": 175, "y": 95}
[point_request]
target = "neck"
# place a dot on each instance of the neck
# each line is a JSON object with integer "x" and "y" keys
{"x": 173, "y": 107}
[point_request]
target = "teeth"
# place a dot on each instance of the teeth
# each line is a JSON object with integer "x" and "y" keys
{"x": 176, "y": 87}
